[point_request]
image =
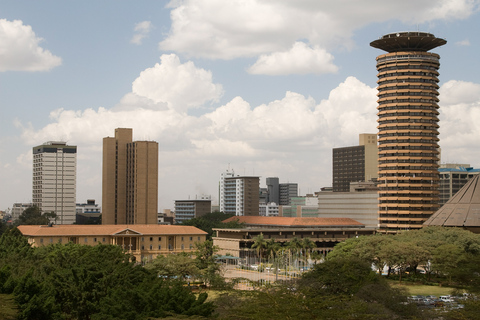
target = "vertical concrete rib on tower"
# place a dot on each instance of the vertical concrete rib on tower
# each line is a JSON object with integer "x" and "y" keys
{"x": 407, "y": 129}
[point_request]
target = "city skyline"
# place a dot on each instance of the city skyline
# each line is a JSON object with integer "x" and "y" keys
{"x": 240, "y": 85}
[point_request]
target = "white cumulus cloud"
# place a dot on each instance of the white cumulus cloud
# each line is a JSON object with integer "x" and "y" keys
{"x": 20, "y": 50}
{"x": 300, "y": 59}
{"x": 142, "y": 29}
{"x": 219, "y": 29}
{"x": 180, "y": 86}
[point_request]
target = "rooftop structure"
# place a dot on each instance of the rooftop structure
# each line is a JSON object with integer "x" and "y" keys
{"x": 462, "y": 210}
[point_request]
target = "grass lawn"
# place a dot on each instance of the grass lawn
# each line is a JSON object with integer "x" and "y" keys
{"x": 420, "y": 289}
{"x": 7, "y": 307}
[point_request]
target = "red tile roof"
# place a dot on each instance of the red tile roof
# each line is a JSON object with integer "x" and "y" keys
{"x": 296, "y": 222}
{"x": 112, "y": 229}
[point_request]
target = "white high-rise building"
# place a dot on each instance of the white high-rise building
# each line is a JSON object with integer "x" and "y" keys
{"x": 239, "y": 195}
{"x": 54, "y": 179}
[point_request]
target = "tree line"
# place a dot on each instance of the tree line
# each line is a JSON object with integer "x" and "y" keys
{"x": 451, "y": 255}
{"x": 99, "y": 282}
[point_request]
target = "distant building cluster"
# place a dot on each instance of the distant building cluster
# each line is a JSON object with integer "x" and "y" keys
{"x": 391, "y": 181}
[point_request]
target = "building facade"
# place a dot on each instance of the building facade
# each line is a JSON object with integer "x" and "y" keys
{"x": 142, "y": 241}
{"x": 239, "y": 195}
{"x": 54, "y": 180}
{"x": 324, "y": 232}
{"x": 408, "y": 129}
{"x": 189, "y": 209}
{"x": 452, "y": 178}
{"x": 359, "y": 204}
{"x": 355, "y": 163}
{"x": 301, "y": 207}
{"x": 268, "y": 209}
{"x": 129, "y": 180}
{"x": 287, "y": 192}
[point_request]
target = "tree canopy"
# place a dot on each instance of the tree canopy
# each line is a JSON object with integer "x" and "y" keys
{"x": 212, "y": 220}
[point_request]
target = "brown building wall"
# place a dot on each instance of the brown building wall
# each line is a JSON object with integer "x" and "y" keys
{"x": 251, "y": 198}
{"x": 130, "y": 180}
{"x": 114, "y": 177}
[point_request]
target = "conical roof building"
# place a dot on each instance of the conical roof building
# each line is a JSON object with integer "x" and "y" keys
{"x": 462, "y": 210}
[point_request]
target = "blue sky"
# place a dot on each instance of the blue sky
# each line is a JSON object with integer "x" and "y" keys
{"x": 267, "y": 88}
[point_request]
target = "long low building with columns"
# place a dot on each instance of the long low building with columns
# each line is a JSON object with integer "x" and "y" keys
{"x": 324, "y": 232}
{"x": 142, "y": 241}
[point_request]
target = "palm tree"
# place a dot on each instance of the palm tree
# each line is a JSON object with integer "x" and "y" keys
{"x": 260, "y": 244}
{"x": 307, "y": 246}
{"x": 272, "y": 250}
{"x": 294, "y": 245}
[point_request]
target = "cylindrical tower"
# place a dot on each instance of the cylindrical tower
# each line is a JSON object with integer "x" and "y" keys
{"x": 408, "y": 152}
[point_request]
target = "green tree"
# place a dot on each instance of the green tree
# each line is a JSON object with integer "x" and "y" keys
{"x": 213, "y": 220}
{"x": 174, "y": 266}
{"x": 33, "y": 216}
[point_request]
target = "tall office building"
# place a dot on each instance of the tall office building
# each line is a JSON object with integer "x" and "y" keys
{"x": 408, "y": 129}
{"x": 239, "y": 195}
{"x": 54, "y": 179}
{"x": 273, "y": 189}
{"x": 287, "y": 192}
{"x": 355, "y": 163}
{"x": 130, "y": 180}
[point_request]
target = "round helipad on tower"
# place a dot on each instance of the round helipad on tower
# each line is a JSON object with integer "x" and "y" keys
{"x": 408, "y": 41}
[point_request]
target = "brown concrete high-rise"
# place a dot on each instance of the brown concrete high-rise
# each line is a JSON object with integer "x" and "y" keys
{"x": 130, "y": 180}
{"x": 407, "y": 129}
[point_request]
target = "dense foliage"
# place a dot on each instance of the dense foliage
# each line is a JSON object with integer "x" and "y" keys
{"x": 34, "y": 216}
{"x": 212, "y": 220}
{"x": 450, "y": 255}
{"x": 335, "y": 289}
{"x": 88, "y": 282}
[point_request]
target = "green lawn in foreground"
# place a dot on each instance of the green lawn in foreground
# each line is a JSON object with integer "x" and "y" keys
{"x": 419, "y": 289}
{"x": 7, "y": 307}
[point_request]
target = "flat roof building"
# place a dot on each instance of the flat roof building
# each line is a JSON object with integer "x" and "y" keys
{"x": 189, "y": 209}
{"x": 129, "y": 180}
{"x": 355, "y": 163}
{"x": 55, "y": 180}
{"x": 239, "y": 195}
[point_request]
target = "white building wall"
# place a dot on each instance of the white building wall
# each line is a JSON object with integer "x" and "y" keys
{"x": 359, "y": 206}
{"x": 54, "y": 184}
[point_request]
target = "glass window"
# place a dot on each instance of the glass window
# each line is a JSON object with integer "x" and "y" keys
{"x": 191, "y": 238}
{"x": 143, "y": 239}
{"x": 151, "y": 238}
{"x": 51, "y": 240}
{"x": 94, "y": 239}
{"x": 41, "y": 240}
{"x": 183, "y": 247}
{"x": 151, "y": 247}
{"x": 182, "y": 238}
{"x": 159, "y": 238}
{"x": 86, "y": 240}
{"x": 143, "y": 247}
{"x": 159, "y": 247}
{"x": 103, "y": 240}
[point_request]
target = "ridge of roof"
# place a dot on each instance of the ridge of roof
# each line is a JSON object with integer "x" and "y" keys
{"x": 462, "y": 210}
